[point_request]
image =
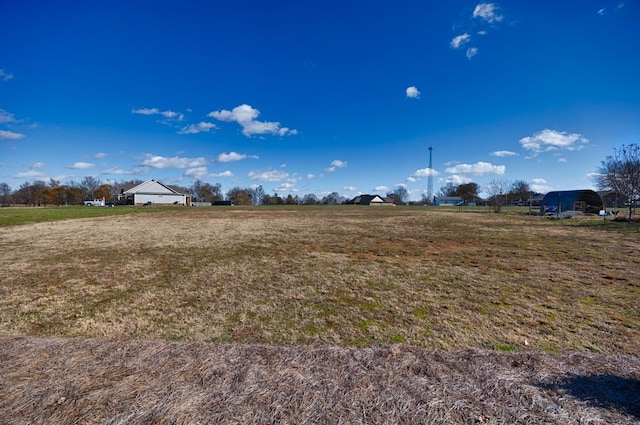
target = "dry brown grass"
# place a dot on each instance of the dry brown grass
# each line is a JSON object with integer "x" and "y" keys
{"x": 337, "y": 277}
{"x": 151, "y": 382}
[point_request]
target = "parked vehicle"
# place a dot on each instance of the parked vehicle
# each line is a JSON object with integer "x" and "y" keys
{"x": 95, "y": 203}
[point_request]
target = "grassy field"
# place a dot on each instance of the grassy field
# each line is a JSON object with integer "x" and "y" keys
{"x": 353, "y": 278}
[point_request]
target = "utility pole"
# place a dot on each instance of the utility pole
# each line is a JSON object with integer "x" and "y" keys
{"x": 430, "y": 177}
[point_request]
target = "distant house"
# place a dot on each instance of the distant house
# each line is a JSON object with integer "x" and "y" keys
{"x": 557, "y": 201}
{"x": 448, "y": 201}
{"x": 152, "y": 192}
{"x": 373, "y": 200}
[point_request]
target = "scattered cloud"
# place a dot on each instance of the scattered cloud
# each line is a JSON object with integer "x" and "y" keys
{"x": 31, "y": 174}
{"x": 539, "y": 185}
{"x": 549, "y": 140}
{"x": 100, "y": 155}
{"x": 381, "y": 188}
{"x": 455, "y": 179}
{"x": 196, "y": 172}
{"x": 201, "y": 127}
{"x": 10, "y": 135}
{"x": 601, "y": 11}
{"x": 425, "y": 172}
{"x": 169, "y": 115}
{"x": 460, "y": 40}
{"x": 349, "y": 189}
{"x": 136, "y": 171}
{"x": 6, "y": 117}
{"x": 335, "y": 164}
{"x": 562, "y": 160}
{"x": 479, "y": 168}
{"x": 246, "y": 116}
{"x": 503, "y": 154}
{"x": 471, "y": 52}
{"x": 5, "y": 76}
{"x": 285, "y": 187}
{"x": 81, "y": 166}
{"x": 487, "y": 12}
{"x": 222, "y": 174}
{"x": 413, "y": 92}
{"x": 156, "y": 161}
{"x": 269, "y": 176}
{"x": 234, "y": 156}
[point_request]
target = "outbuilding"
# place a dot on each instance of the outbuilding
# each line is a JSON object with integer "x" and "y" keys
{"x": 584, "y": 200}
{"x": 152, "y": 192}
{"x": 448, "y": 201}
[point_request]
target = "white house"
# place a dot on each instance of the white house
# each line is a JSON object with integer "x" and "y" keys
{"x": 152, "y": 192}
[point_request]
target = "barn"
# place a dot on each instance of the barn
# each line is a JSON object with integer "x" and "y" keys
{"x": 584, "y": 200}
{"x": 152, "y": 192}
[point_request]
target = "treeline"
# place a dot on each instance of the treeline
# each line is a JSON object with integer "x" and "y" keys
{"x": 54, "y": 193}
{"x": 40, "y": 193}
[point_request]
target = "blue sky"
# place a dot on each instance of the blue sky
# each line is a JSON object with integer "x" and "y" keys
{"x": 317, "y": 96}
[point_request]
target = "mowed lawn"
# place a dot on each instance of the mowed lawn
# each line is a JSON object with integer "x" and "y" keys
{"x": 345, "y": 276}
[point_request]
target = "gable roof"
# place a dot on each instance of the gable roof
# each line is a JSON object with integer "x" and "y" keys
{"x": 368, "y": 200}
{"x": 151, "y": 187}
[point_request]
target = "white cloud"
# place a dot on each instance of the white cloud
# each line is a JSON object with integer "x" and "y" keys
{"x": 157, "y": 161}
{"x": 285, "y": 187}
{"x": 413, "y": 92}
{"x": 222, "y": 174}
{"x": 601, "y": 11}
{"x": 230, "y": 157}
{"x": 201, "y": 127}
{"x": 196, "y": 172}
{"x": 146, "y": 111}
{"x": 562, "y": 160}
{"x": 460, "y": 40}
{"x": 10, "y": 135}
{"x": 382, "y": 188}
{"x": 488, "y": 12}
{"x": 269, "y": 176}
{"x": 502, "y": 154}
{"x": 169, "y": 115}
{"x": 335, "y": 164}
{"x": 81, "y": 166}
{"x": 548, "y": 140}
{"x": 31, "y": 174}
{"x": 246, "y": 116}
{"x": 456, "y": 179}
{"x": 100, "y": 155}
{"x": 412, "y": 179}
{"x": 349, "y": 188}
{"x": 539, "y": 185}
{"x": 5, "y": 76}
{"x": 471, "y": 52}
{"x": 425, "y": 172}
{"x": 6, "y": 117}
{"x": 479, "y": 168}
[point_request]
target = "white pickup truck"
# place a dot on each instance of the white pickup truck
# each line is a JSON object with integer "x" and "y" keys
{"x": 95, "y": 203}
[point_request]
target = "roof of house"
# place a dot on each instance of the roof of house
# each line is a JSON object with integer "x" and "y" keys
{"x": 367, "y": 199}
{"x": 151, "y": 187}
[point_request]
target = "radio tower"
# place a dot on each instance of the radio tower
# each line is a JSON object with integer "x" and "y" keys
{"x": 430, "y": 177}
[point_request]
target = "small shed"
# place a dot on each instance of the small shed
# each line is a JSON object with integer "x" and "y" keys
{"x": 152, "y": 192}
{"x": 584, "y": 200}
{"x": 373, "y": 200}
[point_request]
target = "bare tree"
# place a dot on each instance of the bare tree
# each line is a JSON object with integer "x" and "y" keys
{"x": 497, "y": 189}
{"x": 621, "y": 172}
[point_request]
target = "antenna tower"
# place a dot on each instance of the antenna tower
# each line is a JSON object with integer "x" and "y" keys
{"x": 430, "y": 177}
